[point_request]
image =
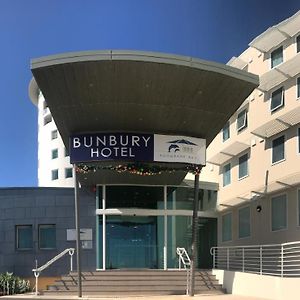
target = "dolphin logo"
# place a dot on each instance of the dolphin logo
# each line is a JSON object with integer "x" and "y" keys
{"x": 174, "y": 148}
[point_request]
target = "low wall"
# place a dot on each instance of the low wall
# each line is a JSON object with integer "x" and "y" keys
{"x": 263, "y": 286}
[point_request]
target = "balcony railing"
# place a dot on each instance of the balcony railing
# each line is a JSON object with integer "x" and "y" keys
{"x": 276, "y": 259}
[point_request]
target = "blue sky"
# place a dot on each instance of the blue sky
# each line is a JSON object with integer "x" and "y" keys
{"x": 209, "y": 29}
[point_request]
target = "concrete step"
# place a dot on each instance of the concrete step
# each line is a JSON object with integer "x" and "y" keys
{"x": 135, "y": 282}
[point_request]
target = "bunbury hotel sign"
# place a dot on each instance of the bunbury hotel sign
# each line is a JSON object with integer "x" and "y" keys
{"x": 137, "y": 147}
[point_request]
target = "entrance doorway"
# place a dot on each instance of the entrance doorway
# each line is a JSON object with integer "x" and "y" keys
{"x": 140, "y": 227}
{"x": 131, "y": 242}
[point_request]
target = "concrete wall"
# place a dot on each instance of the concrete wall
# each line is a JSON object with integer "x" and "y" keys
{"x": 34, "y": 206}
{"x": 261, "y": 286}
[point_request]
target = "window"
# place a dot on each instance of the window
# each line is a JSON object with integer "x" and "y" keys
{"x": 279, "y": 212}
{"x": 47, "y": 119}
{"x": 276, "y": 57}
{"x": 298, "y": 87}
{"x": 54, "y": 174}
{"x": 53, "y": 134}
{"x": 226, "y": 227}
{"x": 54, "y": 153}
{"x": 278, "y": 149}
{"x": 226, "y": 175}
{"x": 243, "y": 166}
{"x": 68, "y": 173}
{"x": 298, "y": 43}
{"x": 277, "y": 99}
{"x": 244, "y": 222}
{"x": 47, "y": 236}
{"x": 241, "y": 121}
{"x": 226, "y": 132}
{"x": 24, "y": 239}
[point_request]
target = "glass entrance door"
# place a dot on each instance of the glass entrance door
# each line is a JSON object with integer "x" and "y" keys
{"x": 132, "y": 242}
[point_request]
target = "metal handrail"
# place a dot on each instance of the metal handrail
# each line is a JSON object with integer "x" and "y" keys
{"x": 272, "y": 259}
{"x": 37, "y": 271}
{"x": 185, "y": 259}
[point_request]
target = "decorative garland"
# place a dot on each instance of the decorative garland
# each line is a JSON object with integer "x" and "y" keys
{"x": 138, "y": 169}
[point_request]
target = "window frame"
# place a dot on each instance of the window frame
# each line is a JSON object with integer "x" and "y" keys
{"x": 272, "y": 149}
{"x": 297, "y": 37}
{"x": 66, "y": 170}
{"x": 39, "y": 237}
{"x": 54, "y": 151}
{"x": 17, "y": 237}
{"x": 240, "y": 178}
{"x": 245, "y": 123}
{"x": 227, "y": 125}
{"x": 282, "y": 99}
{"x": 271, "y": 61}
{"x": 223, "y": 216}
{"x": 54, "y": 134}
{"x": 248, "y": 236}
{"x": 286, "y": 212}
{"x": 54, "y": 170}
{"x": 229, "y": 174}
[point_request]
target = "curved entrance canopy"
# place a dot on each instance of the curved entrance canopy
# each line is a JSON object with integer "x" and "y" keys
{"x": 139, "y": 92}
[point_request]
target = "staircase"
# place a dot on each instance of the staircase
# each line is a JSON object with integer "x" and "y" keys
{"x": 135, "y": 282}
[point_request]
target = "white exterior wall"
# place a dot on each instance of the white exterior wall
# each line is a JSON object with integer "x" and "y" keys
{"x": 45, "y": 146}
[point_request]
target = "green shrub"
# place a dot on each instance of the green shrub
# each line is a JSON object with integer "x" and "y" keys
{"x": 10, "y": 284}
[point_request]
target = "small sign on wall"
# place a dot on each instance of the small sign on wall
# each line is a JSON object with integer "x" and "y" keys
{"x": 86, "y": 234}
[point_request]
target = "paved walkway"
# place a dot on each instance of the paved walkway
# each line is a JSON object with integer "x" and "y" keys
{"x": 173, "y": 297}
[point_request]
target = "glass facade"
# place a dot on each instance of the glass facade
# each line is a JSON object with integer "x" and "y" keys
{"x": 141, "y": 226}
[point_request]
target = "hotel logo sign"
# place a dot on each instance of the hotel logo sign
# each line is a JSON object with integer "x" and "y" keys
{"x": 137, "y": 147}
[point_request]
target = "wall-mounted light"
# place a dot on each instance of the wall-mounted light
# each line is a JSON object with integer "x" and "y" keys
{"x": 258, "y": 208}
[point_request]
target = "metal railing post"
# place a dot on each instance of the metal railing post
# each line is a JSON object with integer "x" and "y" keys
{"x": 227, "y": 260}
{"x": 214, "y": 258}
{"x": 243, "y": 258}
{"x": 36, "y": 275}
{"x": 260, "y": 260}
{"x": 71, "y": 253}
{"x": 281, "y": 261}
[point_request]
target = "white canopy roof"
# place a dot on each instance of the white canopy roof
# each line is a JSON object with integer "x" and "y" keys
{"x": 290, "y": 181}
{"x": 275, "y": 35}
{"x": 279, "y": 74}
{"x": 278, "y": 124}
{"x": 228, "y": 152}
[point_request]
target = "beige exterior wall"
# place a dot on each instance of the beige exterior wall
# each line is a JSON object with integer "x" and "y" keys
{"x": 241, "y": 192}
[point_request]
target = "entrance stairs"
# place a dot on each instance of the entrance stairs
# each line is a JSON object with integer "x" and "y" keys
{"x": 135, "y": 282}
